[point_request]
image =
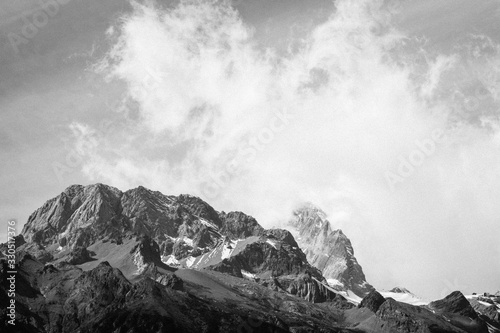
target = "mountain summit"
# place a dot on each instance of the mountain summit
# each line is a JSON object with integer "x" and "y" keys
{"x": 328, "y": 250}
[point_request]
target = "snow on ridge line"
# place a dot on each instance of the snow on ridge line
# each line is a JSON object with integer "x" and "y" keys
{"x": 228, "y": 249}
{"x": 170, "y": 260}
{"x": 484, "y": 303}
{"x": 404, "y": 298}
{"x": 247, "y": 275}
{"x": 334, "y": 282}
{"x": 190, "y": 261}
{"x": 349, "y": 295}
{"x": 208, "y": 223}
{"x": 188, "y": 241}
{"x": 272, "y": 243}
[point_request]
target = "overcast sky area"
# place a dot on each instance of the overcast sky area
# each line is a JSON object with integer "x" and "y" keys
{"x": 383, "y": 113}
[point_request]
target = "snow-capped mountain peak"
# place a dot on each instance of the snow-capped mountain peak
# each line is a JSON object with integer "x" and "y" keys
{"x": 328, "y": 250}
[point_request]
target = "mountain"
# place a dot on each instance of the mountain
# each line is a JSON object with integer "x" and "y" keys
{"x": 400, "y": 290}
{"x": 96, "y": 259}
{"x": 487, "y": 306}
{"x": 83, "y": 215}
{"x": 328, "y": 250}
{"x": 403, "y": 295}
{"x": 457, "y": 309}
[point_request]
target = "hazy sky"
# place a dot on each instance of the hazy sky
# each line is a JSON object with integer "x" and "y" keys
{"x": 383, "y": 113}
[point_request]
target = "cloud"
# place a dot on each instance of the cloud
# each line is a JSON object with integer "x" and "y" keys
{"x": 347, "y": 121}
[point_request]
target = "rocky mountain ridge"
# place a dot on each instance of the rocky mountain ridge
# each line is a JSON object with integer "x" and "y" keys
{"x": 95, "y": 259}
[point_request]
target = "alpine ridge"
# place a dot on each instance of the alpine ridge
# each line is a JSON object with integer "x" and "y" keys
{"x": 96, "y": 259}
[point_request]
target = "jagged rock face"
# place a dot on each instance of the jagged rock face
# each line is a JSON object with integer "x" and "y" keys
{"x": 490, "y": 311}
{"x": 457, "y": 309}
{"x": 151, "y": 212}
{"x": 171, "y": 281}
{"x": 274, "y": 259}
{"x": 328, "y": 250}
{"x": 372, "y": 301}
{"x": 182, "y": 226}
{"x": 403, "y": 317}
{"x": 76, "y": 216}
{"x": 237, "y": 225}
{"x": 79, "y": 255}
{"x": 454, "y": 303}
{"x": 308, "y": 288}
{"x": 274, "y": 253}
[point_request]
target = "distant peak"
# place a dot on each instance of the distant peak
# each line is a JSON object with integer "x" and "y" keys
{"x": 313, "y": 216}
{"x": 310, "y": 207}
{"x": 400, "y": 290}
{"x": 76, "y": 189}
{"x": 455, "y": 294}
{"x": 140, "y": 189}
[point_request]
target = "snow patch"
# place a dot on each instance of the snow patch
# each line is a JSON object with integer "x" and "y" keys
{"x": 247, "y": 275}
{"x": 334, "y": 283}
{"x": 208, "y": 223}
{"x": 139, "y": 263}
{"x": 170, "y": 260}
{"x": 349, "y": 295}
{"x": 228, "y": 249}
{"x": 188, "y": 241}
{"x": 190, "y": 261}
{"x": 407, "y": 298}
{"x": 272, "y": 243}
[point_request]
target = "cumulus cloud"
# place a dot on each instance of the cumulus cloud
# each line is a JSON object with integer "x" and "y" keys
{"x": 398, "y": 143}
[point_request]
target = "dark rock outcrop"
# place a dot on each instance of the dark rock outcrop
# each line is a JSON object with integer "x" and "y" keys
{"x": 372, "y": 301}
{"x": 79, "y": 255}
{"x": 457, "y": 309}
{"x": 402, "y": 317}
{"x": 454, "y": 303}
{"x": 237, "y": 225}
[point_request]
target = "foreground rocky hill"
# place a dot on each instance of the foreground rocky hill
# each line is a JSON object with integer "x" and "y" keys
{"x": 95, "y": 259}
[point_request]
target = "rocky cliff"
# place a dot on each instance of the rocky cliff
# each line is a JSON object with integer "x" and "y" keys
{"x": 328, "y": 250}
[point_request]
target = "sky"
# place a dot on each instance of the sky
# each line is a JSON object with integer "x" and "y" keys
{"x": 383, "y": 113}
